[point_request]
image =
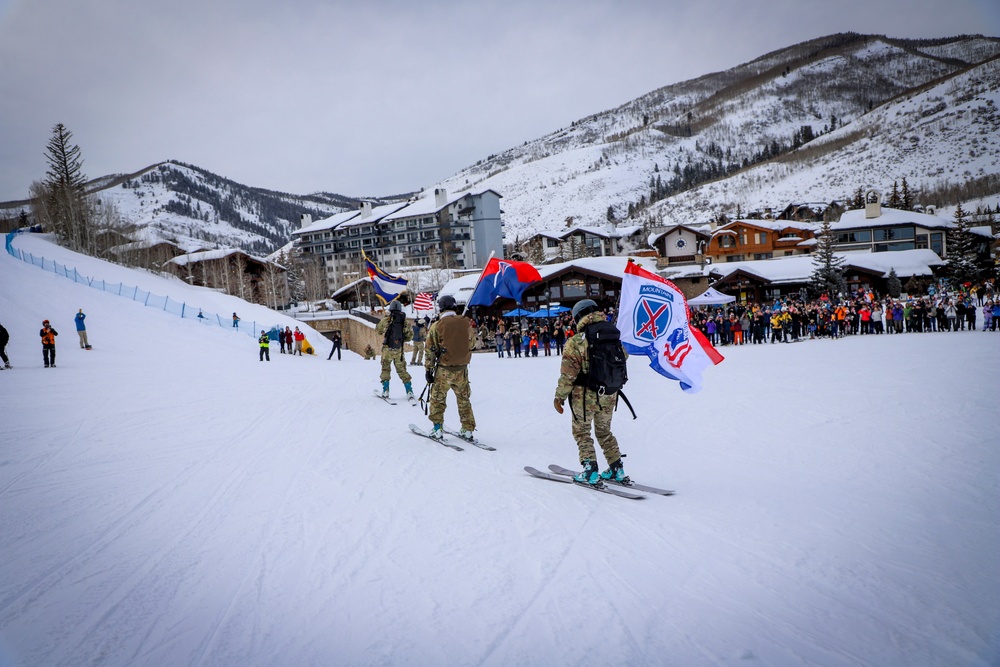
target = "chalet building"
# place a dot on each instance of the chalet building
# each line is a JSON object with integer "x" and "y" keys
{"x": 542, "y": 248}
{"x": 234, "y": 272}
{"x": 451, "y": 231}
{"x": 599, "y": 241}
{"x": 152, "y": 253}
{"x": 746, "y": 240}
{"x": 679, "y": 245}
{"x": 880, "y": 229}
{"x": 813, "y": 212}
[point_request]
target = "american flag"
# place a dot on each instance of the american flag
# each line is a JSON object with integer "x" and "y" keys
{"x": 424, "y": 301}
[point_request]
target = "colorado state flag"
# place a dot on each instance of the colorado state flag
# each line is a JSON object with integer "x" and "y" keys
{"x": 387, "y": 286}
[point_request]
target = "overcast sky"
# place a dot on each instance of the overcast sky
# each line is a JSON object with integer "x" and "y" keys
{"x": 374, "y": 97}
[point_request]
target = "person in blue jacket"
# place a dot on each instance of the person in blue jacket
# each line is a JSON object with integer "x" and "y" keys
{"x": 81, "y": 329}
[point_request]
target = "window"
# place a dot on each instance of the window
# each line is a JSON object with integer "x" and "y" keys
{"x": 937, "y": 243}
{"x": 551, "y": 243}
{"x": 573, "y": 288}
{"x": 727, "y": 241}
{"x": 893, "y": 233}
{"x": 761, "y": 238}
{"x": 762, "y": 255}
{"x": 889, "y": 247}
{"x": 921, "y": 241}
{"x": 855, "y": 237}
{"x": 734, "y": 258}
{"x": 743, "y": 237}
{"x": 593, "y": 244}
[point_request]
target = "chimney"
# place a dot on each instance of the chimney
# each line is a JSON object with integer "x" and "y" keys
{"x": 305, "y": 220}
{"x": 873, "y": 207}
{"x": 931, "y": 210}
{"x": 366, "y": 209}
{"x": 440, "y": 197}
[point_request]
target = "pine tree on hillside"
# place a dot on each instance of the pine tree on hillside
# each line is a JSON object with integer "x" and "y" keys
{"x": 59, "y": 201}
{"x": 859, "y": 198}
{"x": 828, "y": 276}
{"x": 895, "y": 201}
{"x": 906, "y": 197}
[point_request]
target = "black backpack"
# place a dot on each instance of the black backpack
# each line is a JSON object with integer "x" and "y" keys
{"x": 606, "y": 359}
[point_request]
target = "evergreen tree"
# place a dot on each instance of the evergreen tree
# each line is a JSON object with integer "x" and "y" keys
{"x": 893, "y": 286}
{"x": 828, "y": 275}
{"x": 859, "y": 198}
{"x": 60, "y": 199}
{"x": 895, "y": 201}
{"x": 963, "y": 265}
{"x": 906, "y": 197}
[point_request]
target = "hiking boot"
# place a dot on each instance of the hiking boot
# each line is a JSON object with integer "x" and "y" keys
{"x": 437, "y": 432}
{"x": 590, "y": 474}
{"x": 385, "y": 389}
{"x": 616, "y": 473}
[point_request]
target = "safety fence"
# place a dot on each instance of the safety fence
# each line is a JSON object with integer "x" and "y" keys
{"x": 147, "y": 299}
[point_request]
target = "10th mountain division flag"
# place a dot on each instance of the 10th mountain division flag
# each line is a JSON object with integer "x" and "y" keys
{"x": 653, "y": 319}
{"x": 503, "y": 278}
{"x": 386, "y": 285}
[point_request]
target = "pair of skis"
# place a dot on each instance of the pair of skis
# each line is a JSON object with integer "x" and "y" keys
{"x": 390, "y": 401}
{"x": 448, "y": 443}
{"x": 560, "y": 474}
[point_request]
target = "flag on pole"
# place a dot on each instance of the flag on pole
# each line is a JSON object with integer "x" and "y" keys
{"x": 387, "y": 286}
{"x": 424, "y": 301}
{"x": 653, "y": 319}
{"x": 503, "y": 278}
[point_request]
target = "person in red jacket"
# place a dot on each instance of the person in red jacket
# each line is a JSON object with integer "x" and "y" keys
{"x": 299, "y": 337}
{"x": 287, "y": 335}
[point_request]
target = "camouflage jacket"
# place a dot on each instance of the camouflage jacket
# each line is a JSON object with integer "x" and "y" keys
{"x": 574, "y": 357}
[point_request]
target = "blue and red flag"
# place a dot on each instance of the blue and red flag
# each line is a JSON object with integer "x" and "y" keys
{"x": 387, "y": 286}
{"x": 653, "y": 319}
{"x": 505, "y": 278}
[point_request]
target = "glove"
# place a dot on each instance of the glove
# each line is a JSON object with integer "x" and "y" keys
{"x": 429, "y": 376}
{"x": 557, "y": 403}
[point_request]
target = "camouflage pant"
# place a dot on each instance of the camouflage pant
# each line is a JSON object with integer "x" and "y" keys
{"x": 396, "y": 357}
{"x": 588, "y": 410}
{"x": 418, "y": 352}
{"x": 457, "y": 380}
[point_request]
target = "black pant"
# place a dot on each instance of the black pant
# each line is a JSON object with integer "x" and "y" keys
{"x": 336, "y": 348}
{"x": 3, "y": 354}
{"x": 265, "y": 352}
{"x": 49, "y": 355}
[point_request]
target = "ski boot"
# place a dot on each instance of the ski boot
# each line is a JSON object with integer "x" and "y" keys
{"x": 437, "y": 432}
{"x": 590, "y": 474}
{"x": 385, "y": 389}
{"x": 409, "y": 391}
{"x": 466, "y": 434}
{"x": 616, "y": 473}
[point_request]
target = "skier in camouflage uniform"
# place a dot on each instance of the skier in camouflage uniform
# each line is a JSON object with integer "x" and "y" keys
{"x": 395, "y": 332}
{"x": 585, "y": 405}
{"x": 450, "y": 342}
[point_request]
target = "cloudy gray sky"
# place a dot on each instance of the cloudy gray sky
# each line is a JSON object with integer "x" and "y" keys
{"x": 374, "y": 97}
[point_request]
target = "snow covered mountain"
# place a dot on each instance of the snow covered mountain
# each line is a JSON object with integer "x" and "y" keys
{"x": 811, "y": 122}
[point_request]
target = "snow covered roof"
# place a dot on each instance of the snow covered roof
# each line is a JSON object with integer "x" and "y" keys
{"x": 327, "y": 223}
{"x": 855, "y": 219}
{"x": 800, "y": 267}
{"x": 209, "y": 255}
{"x": 428, "y": 205}
{"x": 697, "y": 231}
{"x": 378, "y": 214}
{"x": 606, "y": 231}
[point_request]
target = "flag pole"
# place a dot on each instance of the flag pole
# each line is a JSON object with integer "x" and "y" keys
{"x": 466, "y": 306}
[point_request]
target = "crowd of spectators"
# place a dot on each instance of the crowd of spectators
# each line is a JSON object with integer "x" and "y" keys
{"x": 863, "y": 312}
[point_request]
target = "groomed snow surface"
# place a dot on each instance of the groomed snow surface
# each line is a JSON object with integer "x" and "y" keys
{"x": 166, "y": 499}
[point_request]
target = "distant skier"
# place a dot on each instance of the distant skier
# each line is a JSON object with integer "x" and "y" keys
{"x": 265, "y": 345}
{"x": 48, "y": 335}
{"x": 587, "y": 405}
{"x": 394, "y": 332}
{"x": 450, "y": 342}
{"x": 81, "y": 329}
{"x": 236, "y": 321}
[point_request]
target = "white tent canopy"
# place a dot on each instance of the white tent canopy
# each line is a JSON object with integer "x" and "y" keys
{"x": 711, "y": 297}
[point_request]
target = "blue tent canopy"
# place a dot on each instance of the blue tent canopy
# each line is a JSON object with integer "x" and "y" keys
{"x": 549, "y": 312}
{"x": 517, "y": 312}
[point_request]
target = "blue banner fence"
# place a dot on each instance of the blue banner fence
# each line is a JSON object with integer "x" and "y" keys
{"x": 147, "y": 299}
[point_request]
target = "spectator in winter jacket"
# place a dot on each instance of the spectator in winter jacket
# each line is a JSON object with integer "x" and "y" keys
{"x": 81, "y": 329}
{"x": 288, "y": 336}
{"x": 48, "y": 335}
{"x": 236, "y": 321}
{"x": 265, "y": 345}
{"x": 419, "y": 334}
{"x": 337, "y": 343}
{"x": 299, "y": 337}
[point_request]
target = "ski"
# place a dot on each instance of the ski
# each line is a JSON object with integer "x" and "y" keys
{"x": 566, "y": 472}
{"x": 421, "y": 432}
{"x": 378, "y": 394}
{"x": 603, "y": 488}
{"x": 474, "y": 441}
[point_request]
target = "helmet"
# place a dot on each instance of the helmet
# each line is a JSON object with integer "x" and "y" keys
{"x": 45, "y": 321}
{"x": 395, "y": 306}
{"x": 584, "y": 307}
{"x": 447, "y": 302}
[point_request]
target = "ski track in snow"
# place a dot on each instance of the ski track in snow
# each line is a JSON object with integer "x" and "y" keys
{"x": 167, "y": 499}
